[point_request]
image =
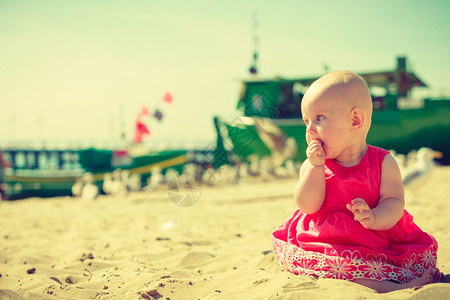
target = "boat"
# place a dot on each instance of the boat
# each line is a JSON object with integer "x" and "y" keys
{"x": 270, "y": 117}
{"x": 32, "y": 181}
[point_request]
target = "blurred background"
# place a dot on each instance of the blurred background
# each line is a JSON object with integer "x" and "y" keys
{"x": 80, "y": 71}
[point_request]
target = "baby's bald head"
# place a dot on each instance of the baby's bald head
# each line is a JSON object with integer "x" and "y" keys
{"x": 347, "y": 86}
{"x": 343, "y": 88}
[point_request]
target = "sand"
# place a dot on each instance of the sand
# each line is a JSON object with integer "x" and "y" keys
{"x": 145, "y": 247}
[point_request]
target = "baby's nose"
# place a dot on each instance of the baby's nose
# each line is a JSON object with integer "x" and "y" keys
{"x": 310, "y": 129}
{"x": 310, "y": 135}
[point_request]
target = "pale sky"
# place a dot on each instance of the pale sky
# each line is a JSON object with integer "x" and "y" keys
{"x": 75, "y": 70}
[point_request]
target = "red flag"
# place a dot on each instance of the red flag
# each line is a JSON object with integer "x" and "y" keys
{"x": 141, "y": 130}
{"x": 168, "y": 98}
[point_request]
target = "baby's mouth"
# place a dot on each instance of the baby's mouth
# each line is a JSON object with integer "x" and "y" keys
{"x": 323, "y": 146}
{"x": 320, "y": 141}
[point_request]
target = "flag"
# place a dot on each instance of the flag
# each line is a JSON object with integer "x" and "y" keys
{"x": 168, "y": 98}
{"x": 141, "y": 130}
{"x": 144, "y": 112}
{"x": 158, "y": 115}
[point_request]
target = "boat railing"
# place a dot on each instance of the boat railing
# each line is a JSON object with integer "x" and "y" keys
{"x": 410, "y": 103}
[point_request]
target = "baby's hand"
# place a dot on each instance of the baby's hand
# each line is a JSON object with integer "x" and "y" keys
{"x": 362, "y": 212}
{"x": 315, "y": 153}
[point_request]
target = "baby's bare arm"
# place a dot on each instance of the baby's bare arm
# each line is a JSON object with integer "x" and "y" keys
{"x": 391, "y": 203}
{"x": 309, "y": 192}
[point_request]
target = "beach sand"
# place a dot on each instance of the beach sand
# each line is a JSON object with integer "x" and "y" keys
{"x": 146, "y": 247}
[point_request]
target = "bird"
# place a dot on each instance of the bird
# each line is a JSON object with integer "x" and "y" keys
{"x": 90, "y": 190}
{"x": 134, "y": 182}
{"x": 216, "y": 177}
{"x": 77, "y": 187}
{"x": 171, "y": 174}
{"x": 266, "y": 168}
{"x": 113, "y": 184}
{"x": 107, "y": 183}
{"x": 210, "y": 177}
{"x": 419, "y": 173}
{"x": 244, "y": 170}
{"x": 234, "y": 174}
{"x": 411, "y": 158}
{"x": 125, "y": 177}
{"x": 187, "y": 177}
{"x": 254, "y": 167}
{"x": 156, "y": 178}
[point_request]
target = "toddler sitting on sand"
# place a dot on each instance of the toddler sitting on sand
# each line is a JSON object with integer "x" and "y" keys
{"x": 351, "y": 223}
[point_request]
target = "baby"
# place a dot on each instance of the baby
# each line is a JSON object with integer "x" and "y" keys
{"x": 351, "y": 223}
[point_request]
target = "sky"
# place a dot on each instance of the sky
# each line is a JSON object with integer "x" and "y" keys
{"x": 80, "y": 70}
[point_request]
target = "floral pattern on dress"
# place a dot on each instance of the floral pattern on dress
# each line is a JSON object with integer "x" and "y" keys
{"x": 350, "y": 265}
{"x": 405, "y": 274}
{"x": 375, "y": 269}
{"x": 429, "y": 259}
{"x": 339, "y": 268}
{"x": 304, "y": 266}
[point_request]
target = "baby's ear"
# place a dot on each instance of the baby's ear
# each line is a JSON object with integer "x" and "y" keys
{"x": 358, "y": 118}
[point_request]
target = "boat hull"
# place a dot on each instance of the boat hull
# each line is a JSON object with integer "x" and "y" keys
{"x": 43, "y": 183}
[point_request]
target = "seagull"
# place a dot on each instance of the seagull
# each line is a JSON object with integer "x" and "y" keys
{"x": 107, "y": 183}
{"x": 244, "y": 170}
{"x": 266, "y": 168}
{"x": 221, "y": 175}
{"x": 417, "y": 174}
{"x": 125, "y": 177}
{"x": 210, "y": 177}
{"x": 233, "y": 174}
{"x": 156, "y": 178}
{"x": 411, "y": 158}
{"x": 254, "y": 168}
{"x": 90, "y": 189}
{"x": 77, "y": 187}
{"x": 114, "y": 184}
{"x": 187, "y": 177}
{"x": 134, "y": 182}
{"x": 171, "y": 175}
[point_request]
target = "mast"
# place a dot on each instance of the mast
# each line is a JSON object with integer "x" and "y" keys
{"x": 253, "y": 68}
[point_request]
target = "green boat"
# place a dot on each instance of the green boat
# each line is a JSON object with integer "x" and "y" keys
{"x": 35, "y": 182}
{"x": 271, "y": 116}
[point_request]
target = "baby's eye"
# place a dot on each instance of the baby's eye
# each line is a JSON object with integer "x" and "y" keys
{"x": 306, "y": 122}
{"x": 319, "y": 118}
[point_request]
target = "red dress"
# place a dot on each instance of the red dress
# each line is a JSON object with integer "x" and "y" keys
{"x": 331, "y": 244}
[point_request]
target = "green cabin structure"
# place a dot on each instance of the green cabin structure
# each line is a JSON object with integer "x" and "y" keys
{"x": 398, "y": 122}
